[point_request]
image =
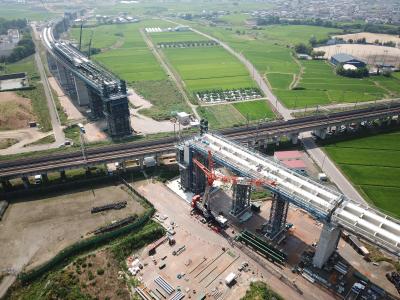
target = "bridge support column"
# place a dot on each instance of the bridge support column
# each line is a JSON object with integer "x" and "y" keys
{"x": 321, "y": 133}
{"x": 198, "y": 179}
{"x": 241, "y": 198}
{"x": 276, "y": 140}
{"x": 45, "y": 178}
{"x": 26, "y": 182}
{"x": 82, "y": 94}
{"x": 277, "y": 216}
{"x": 141, "y": 163}
{"x": 96, "y": 104}
{"x": 62, "y": 175}
{"x": 294, "y": 137}
{"x": 66, "y": 80}
{"x": 327, "y": 244}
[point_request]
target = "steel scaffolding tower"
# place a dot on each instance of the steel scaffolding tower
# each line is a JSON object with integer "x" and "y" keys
{"x": 241, "y": 198}
{"x": 277, "y": 216}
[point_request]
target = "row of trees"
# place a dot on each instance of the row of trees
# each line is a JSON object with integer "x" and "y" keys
{"x": 306, "y": 49}
{"x": 374, "y": 28}
{"x": 357, "y": 73}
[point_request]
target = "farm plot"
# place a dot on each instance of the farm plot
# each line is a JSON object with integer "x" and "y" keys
{"x": 373, "y": 165}
{"x": 203, "y": 69}
{"x": 208, "y": 69}
{"x": 320, "y": 85}
{"x": 270, "y": 53}
{"x": 223, "y": 115}
{"x": 228, "y": 115}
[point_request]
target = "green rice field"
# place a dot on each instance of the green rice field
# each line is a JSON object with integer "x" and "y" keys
{"x": 228, "y": 115}
{"x": 124, "y": 50}
{"x": 373, "y": 166}
{"x": 203, "y": 68}
{"x": 269, "y": 51}
{"x": 320, "y": 85}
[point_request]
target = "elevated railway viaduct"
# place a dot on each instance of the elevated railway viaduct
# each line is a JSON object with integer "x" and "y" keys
{"x": 253, "y": 136}
{"x": 86, "y": 82}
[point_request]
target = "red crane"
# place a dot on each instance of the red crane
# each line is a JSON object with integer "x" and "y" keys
{"x": 211, "y": 176}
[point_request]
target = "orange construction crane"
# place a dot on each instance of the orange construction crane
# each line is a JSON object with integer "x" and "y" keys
{"x": 211, "y": 176}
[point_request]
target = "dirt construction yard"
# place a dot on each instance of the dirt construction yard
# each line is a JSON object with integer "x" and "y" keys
{"x": 34, "y": 230}
{"x": 371, "y": 54}
{"x": 15, "y": 111}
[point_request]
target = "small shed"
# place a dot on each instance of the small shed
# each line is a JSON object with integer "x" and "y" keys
{"x": 183, "y": 118}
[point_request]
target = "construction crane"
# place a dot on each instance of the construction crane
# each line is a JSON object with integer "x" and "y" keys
{"x": 202, "y": 203}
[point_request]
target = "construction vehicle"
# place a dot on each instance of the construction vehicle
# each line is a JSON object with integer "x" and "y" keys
{"x": 202, "y": 203}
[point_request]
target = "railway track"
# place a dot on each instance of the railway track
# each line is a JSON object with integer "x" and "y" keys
{"x": 120, "y": 152}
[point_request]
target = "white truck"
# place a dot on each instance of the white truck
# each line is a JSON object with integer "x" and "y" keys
{"x": 38, "y": 179}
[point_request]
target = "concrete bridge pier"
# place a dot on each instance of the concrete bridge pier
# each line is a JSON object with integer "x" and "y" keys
{"x": 321, "y": 133}
{"x": 62, "y": 175}
{"x": 66, "y": 80}
{"x": 276, "y": 140}
{"x": 45, "y": 178}
{"x": 277, "y": 216}
{"x": 294, "y": 137}
{"x": 327, "y": 244}
{"x": 241, "y": 198}
{"x": 82, "y": 95}
{"x": 95, "y": 104}
{"x": 25, "y": 181}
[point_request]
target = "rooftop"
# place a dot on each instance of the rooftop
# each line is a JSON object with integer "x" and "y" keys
{"x": 343, "y": 57}
{"x": 285, "y": 155}
{"x": 294, "y": 164}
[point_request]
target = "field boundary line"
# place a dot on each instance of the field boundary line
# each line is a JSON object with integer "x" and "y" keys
{"x": 168, "y": 69}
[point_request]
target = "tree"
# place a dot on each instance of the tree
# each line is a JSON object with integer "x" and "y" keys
{"x": 302, "y": 48}
{"x": 317, "y": 54}
{"x": 313, "y": 41}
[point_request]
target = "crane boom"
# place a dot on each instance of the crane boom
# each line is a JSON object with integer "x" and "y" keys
{"x": 211, "y": 176}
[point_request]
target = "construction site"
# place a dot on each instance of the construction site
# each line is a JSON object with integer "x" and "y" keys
{"x": 219, "y": 238}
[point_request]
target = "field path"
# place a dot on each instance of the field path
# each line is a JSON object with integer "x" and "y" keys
{"x": 257, "y": 77}
{"x": 316, "y": 153}
{"x": 173, "y": 75}
{"x": 296, "y": 77}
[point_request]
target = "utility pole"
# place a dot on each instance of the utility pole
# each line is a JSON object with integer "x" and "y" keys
{"x": 82, "y": 145}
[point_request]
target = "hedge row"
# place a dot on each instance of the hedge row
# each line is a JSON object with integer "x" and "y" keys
{"x": 150, "y": 232}
{"x": 64, "y": 256}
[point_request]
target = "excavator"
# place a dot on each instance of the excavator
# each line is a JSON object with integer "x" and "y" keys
{"x": 203, "y": 203}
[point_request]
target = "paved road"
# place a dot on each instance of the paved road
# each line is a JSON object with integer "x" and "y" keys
{"x": 55, "y": 119}
{"x": 170, "y": 72}
{"x": 330, "y": 169}
{"x": 323, "y": 161}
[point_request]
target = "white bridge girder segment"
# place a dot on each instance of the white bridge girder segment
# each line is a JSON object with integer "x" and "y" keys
{"x": 308, "y": 194}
